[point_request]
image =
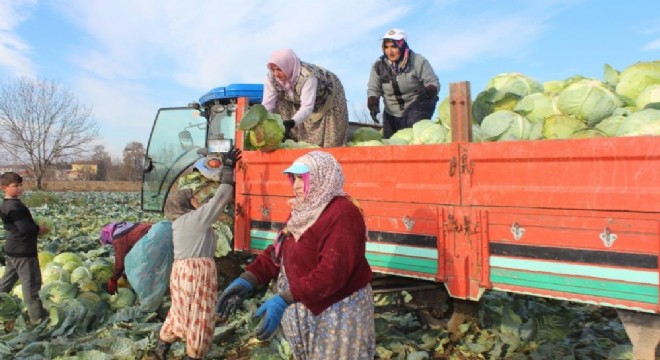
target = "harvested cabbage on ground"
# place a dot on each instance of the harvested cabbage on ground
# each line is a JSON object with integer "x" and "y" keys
{"x": 91, "y": 324}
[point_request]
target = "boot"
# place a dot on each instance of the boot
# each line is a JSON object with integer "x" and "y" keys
{"x": 161, "y": 350}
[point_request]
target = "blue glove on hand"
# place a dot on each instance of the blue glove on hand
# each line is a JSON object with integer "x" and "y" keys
{"x": 274, "y": 308}
{"x": 233, "y": 296}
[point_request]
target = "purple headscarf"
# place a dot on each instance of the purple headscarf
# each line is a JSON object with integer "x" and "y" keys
{"x": 113, "y": 230}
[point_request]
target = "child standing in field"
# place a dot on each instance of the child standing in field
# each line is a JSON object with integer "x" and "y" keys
{"x": 21, "y": 258}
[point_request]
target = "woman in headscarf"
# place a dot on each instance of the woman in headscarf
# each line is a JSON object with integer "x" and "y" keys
{"x": 309, "y": 98}
{"x": 407, "y": 83}
{"x": 122, "y": 236}
{"x": 193, "y": 281}
{"x": 324, "y": 300}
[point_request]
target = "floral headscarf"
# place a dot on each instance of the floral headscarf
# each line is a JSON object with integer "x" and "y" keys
{"x": 326, "y": 180}
{"x": 401, "y": 65}
{"x": 179, "y": 204}
{"x": 288, "y": 61}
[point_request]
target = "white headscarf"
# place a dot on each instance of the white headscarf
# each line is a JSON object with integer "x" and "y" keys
{"x": 288, "y": 62}
{"x": 326, "y": 182}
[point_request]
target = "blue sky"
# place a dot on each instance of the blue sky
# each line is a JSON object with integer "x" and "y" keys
{"x": 126, "y": 59}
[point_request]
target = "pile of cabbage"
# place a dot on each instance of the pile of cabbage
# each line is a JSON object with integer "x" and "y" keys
{"x": 517, "y": 107}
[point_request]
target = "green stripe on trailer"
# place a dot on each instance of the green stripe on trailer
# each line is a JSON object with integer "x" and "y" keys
{"x": 592, "y": 287}
{"x": 262, "y": 234}
{"x": 403, "y": 263}
{"x": 259, "y": 244}
{"x": 627, "y": 275}
{"x": 403, "y": 250}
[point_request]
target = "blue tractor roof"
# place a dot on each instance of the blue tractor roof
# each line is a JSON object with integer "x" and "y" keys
{"x": 253, "y": 91}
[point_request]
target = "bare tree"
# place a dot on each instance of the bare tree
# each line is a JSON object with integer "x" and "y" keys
{"x": 42, "y": 122}
{"x": 103, "y": 162}
{"x": 133, "y": 160}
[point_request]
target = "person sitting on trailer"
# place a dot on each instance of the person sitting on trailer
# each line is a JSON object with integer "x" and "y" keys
{"x": 407, "y": 83}
{"x": 309, "y": 98}
{"x": 324, "y": 299}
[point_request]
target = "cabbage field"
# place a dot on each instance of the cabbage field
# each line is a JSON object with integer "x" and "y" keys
{"x": 87, "y": 323}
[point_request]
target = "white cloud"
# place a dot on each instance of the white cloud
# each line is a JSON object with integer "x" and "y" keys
{"x": 14, "y": 52}
{"x": 652, "y": 45}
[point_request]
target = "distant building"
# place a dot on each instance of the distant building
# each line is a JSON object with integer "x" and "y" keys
{"x": 21, "y": 170}
{"x": 83, "y": 170}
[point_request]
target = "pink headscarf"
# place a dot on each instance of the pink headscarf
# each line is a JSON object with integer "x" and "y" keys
{"x": 288, "y": 61}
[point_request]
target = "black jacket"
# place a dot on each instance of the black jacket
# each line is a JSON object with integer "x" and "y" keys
{"x": 22, "y": 231}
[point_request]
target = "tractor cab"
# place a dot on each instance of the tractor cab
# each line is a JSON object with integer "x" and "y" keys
{"x": 181, "y": 135}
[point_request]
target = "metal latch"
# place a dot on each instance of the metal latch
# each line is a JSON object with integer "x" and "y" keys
{"x": 517, "y": 231}
{"x": 608, "y": 237}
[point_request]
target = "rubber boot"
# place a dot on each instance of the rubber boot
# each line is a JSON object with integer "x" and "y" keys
{"x": 162, "y": 348}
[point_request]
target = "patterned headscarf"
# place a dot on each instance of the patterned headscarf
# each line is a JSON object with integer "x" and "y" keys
{"x": 113, "y": 230}
{"x": 326, "y": 182}
{"x": 178, "y": 204}
{"x": 401, "y": 65}
{"x": 288, "y": 61}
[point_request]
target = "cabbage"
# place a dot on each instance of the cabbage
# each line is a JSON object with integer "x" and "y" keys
{"x": 265, "y": 130}
{"x": 561, "y": 126}
{"x": 588, "y": 100}
{"x": 536, "y": 107}
{"x": 367, "y": 143}
{"x": 394, "y": 141}
{"x": 649, "y": 98}
{"x": 611, "y": 75}
{"x": 502, "y": 93}
{"x": 45, "y": 257}
{"x": 641, "y": 123}
{"x": 10, "y": 307}
{"x": 54, "y": 272}
{"x": 290, "y": 144}
{"x": 88, "y": 285}
{"x": 610, "y": 126}
{"x": 587, "y": 133}
{"x": 58, "y": 291}
{"x": 444, "y": 112}
{"x": 68, "y": 257}
{"x": 46, "y": 222}
{"x": 505, "y": 125}
{"x": 428, "y": 132}
{"x": 101, "y": 269}
{"x": 123, "y": 298}
{"x": 366, "y": 133}
{"x": 553, "y": 86}
{"x": 81, "y": 273}
{"x": 403, "y": 134}
{"x": 637, "y": 77}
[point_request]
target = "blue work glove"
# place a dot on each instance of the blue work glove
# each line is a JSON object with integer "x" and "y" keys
{"x": 233, "y": 296}
{"x": 274, "y": 308}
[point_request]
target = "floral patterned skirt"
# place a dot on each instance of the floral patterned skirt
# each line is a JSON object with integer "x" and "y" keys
{"x": 194, "y": 291}
{"x": 343, "y": 331}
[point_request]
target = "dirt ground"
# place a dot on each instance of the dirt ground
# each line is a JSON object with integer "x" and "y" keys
{"x": 85, "y": 186}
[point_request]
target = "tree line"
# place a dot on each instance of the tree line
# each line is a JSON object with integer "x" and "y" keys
{"x": 44, "y": 127}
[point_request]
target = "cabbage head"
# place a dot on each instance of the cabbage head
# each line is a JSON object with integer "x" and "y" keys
{"x": 610, "y": 126}
{"x": 553, "y": 86}
{"x": 101, "y": 269}
{"x": 505, "y": 125}
{"x": 10, "y": 307}
{"x": 67, "y": 257}
{"x": 637, "y": 77}
{"x": 368, "y": 143}
{"x": 290, "y": 144}
{"x": 45, "y": 257}
{"x": 81, "y": 273}
{"x": 403, "y": 134}
{"x": 428, "y": 132}
{"x": 366, "y": 133}
{"x": 444, "y": 112}
{"x": 123, "y": 298}
{"x": 46, "y": 222}
{"x": 642, "y": 123}
{"x": 58, "y": 291}
{"x": 394, "y": 141}
{"x": 587, "y": 134}
{"x": 561, "y": 126}
{"x": 503, "y": 93}
{"x": 649, "y": 98}
{"x": 264, "y": 130}
{"x": 588, "y": 100}
{"x": 55, "y": 272}
{"x": 536, "y": 107}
